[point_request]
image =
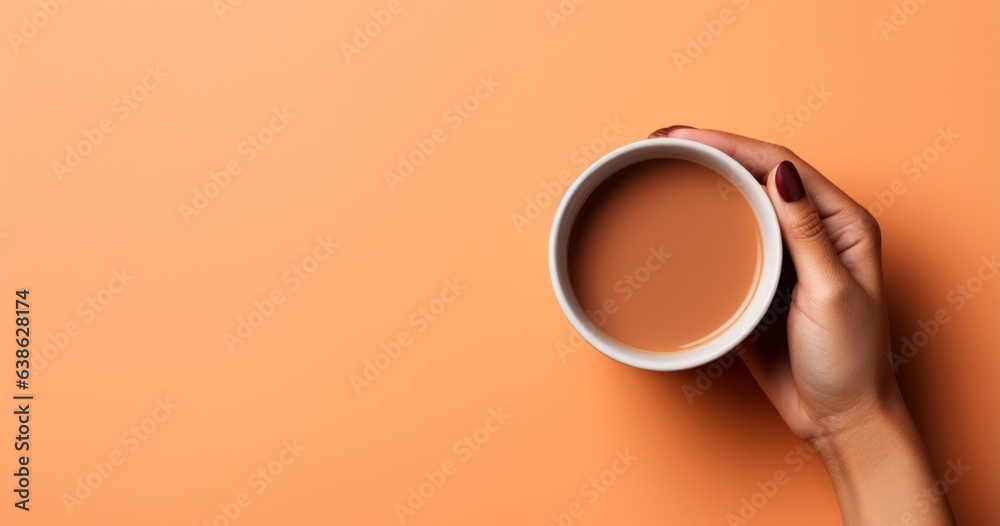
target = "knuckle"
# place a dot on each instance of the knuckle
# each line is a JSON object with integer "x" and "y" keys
{"x": 870, "y": 224}
{"x": 808, "y": 228}
{"x": 832, "y": 292}
{"x": 784, "y": 151}
{"x": 866, "y": 230}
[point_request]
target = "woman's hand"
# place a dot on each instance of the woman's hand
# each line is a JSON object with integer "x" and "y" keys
{"x": 832, "y": 382}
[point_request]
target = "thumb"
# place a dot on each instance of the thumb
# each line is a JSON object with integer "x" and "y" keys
{"x": 817, "y": 263}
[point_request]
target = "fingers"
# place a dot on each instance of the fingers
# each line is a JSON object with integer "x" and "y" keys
{"x": 759, "y": 157}
{"x": 816, "y": 261}
{"x": 850, "y": 228}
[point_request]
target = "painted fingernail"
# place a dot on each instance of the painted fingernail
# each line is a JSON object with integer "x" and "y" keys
{"x": 788, "y": 182}
{"x": 663, "y": 132}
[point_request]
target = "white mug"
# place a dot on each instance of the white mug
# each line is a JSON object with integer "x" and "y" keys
{"x": 691, "y": 151}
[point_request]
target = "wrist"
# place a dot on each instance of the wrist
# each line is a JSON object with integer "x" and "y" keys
{"x": 882, "y": 422}
{"x": 878, "y": 466}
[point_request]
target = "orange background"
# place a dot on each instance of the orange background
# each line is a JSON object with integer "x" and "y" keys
{"x": 161, "y": 337}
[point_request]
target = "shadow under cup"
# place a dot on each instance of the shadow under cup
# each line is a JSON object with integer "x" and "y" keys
{"x": 661, "y": 261}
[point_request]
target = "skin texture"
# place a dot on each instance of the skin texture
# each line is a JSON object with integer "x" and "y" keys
{"x": 828, "y": 375}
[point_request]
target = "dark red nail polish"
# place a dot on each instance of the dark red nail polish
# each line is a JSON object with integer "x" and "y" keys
{"x": 788, "y": 182}
{"x": 663, "y": 132}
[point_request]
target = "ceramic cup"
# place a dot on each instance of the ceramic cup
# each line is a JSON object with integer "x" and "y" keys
{"x": 713, "y": 159}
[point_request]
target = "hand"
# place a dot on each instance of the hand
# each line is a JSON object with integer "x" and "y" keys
{"x": 832, "y": 381}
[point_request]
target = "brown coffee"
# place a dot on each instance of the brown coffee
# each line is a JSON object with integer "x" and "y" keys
{"x": 664, "y": 255}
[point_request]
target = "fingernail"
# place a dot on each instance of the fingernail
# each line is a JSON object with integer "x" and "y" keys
{"x": 788, "y": 182}
{"x": 663, "y": 132}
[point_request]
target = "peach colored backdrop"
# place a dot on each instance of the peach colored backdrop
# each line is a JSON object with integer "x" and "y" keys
{"x": 287, "y": 260}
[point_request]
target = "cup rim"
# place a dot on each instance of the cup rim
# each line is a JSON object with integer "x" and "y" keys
{"x": 666, "y": 148}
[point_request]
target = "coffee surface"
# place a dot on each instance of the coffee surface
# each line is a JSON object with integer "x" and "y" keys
{"x": 664, "y": 255}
